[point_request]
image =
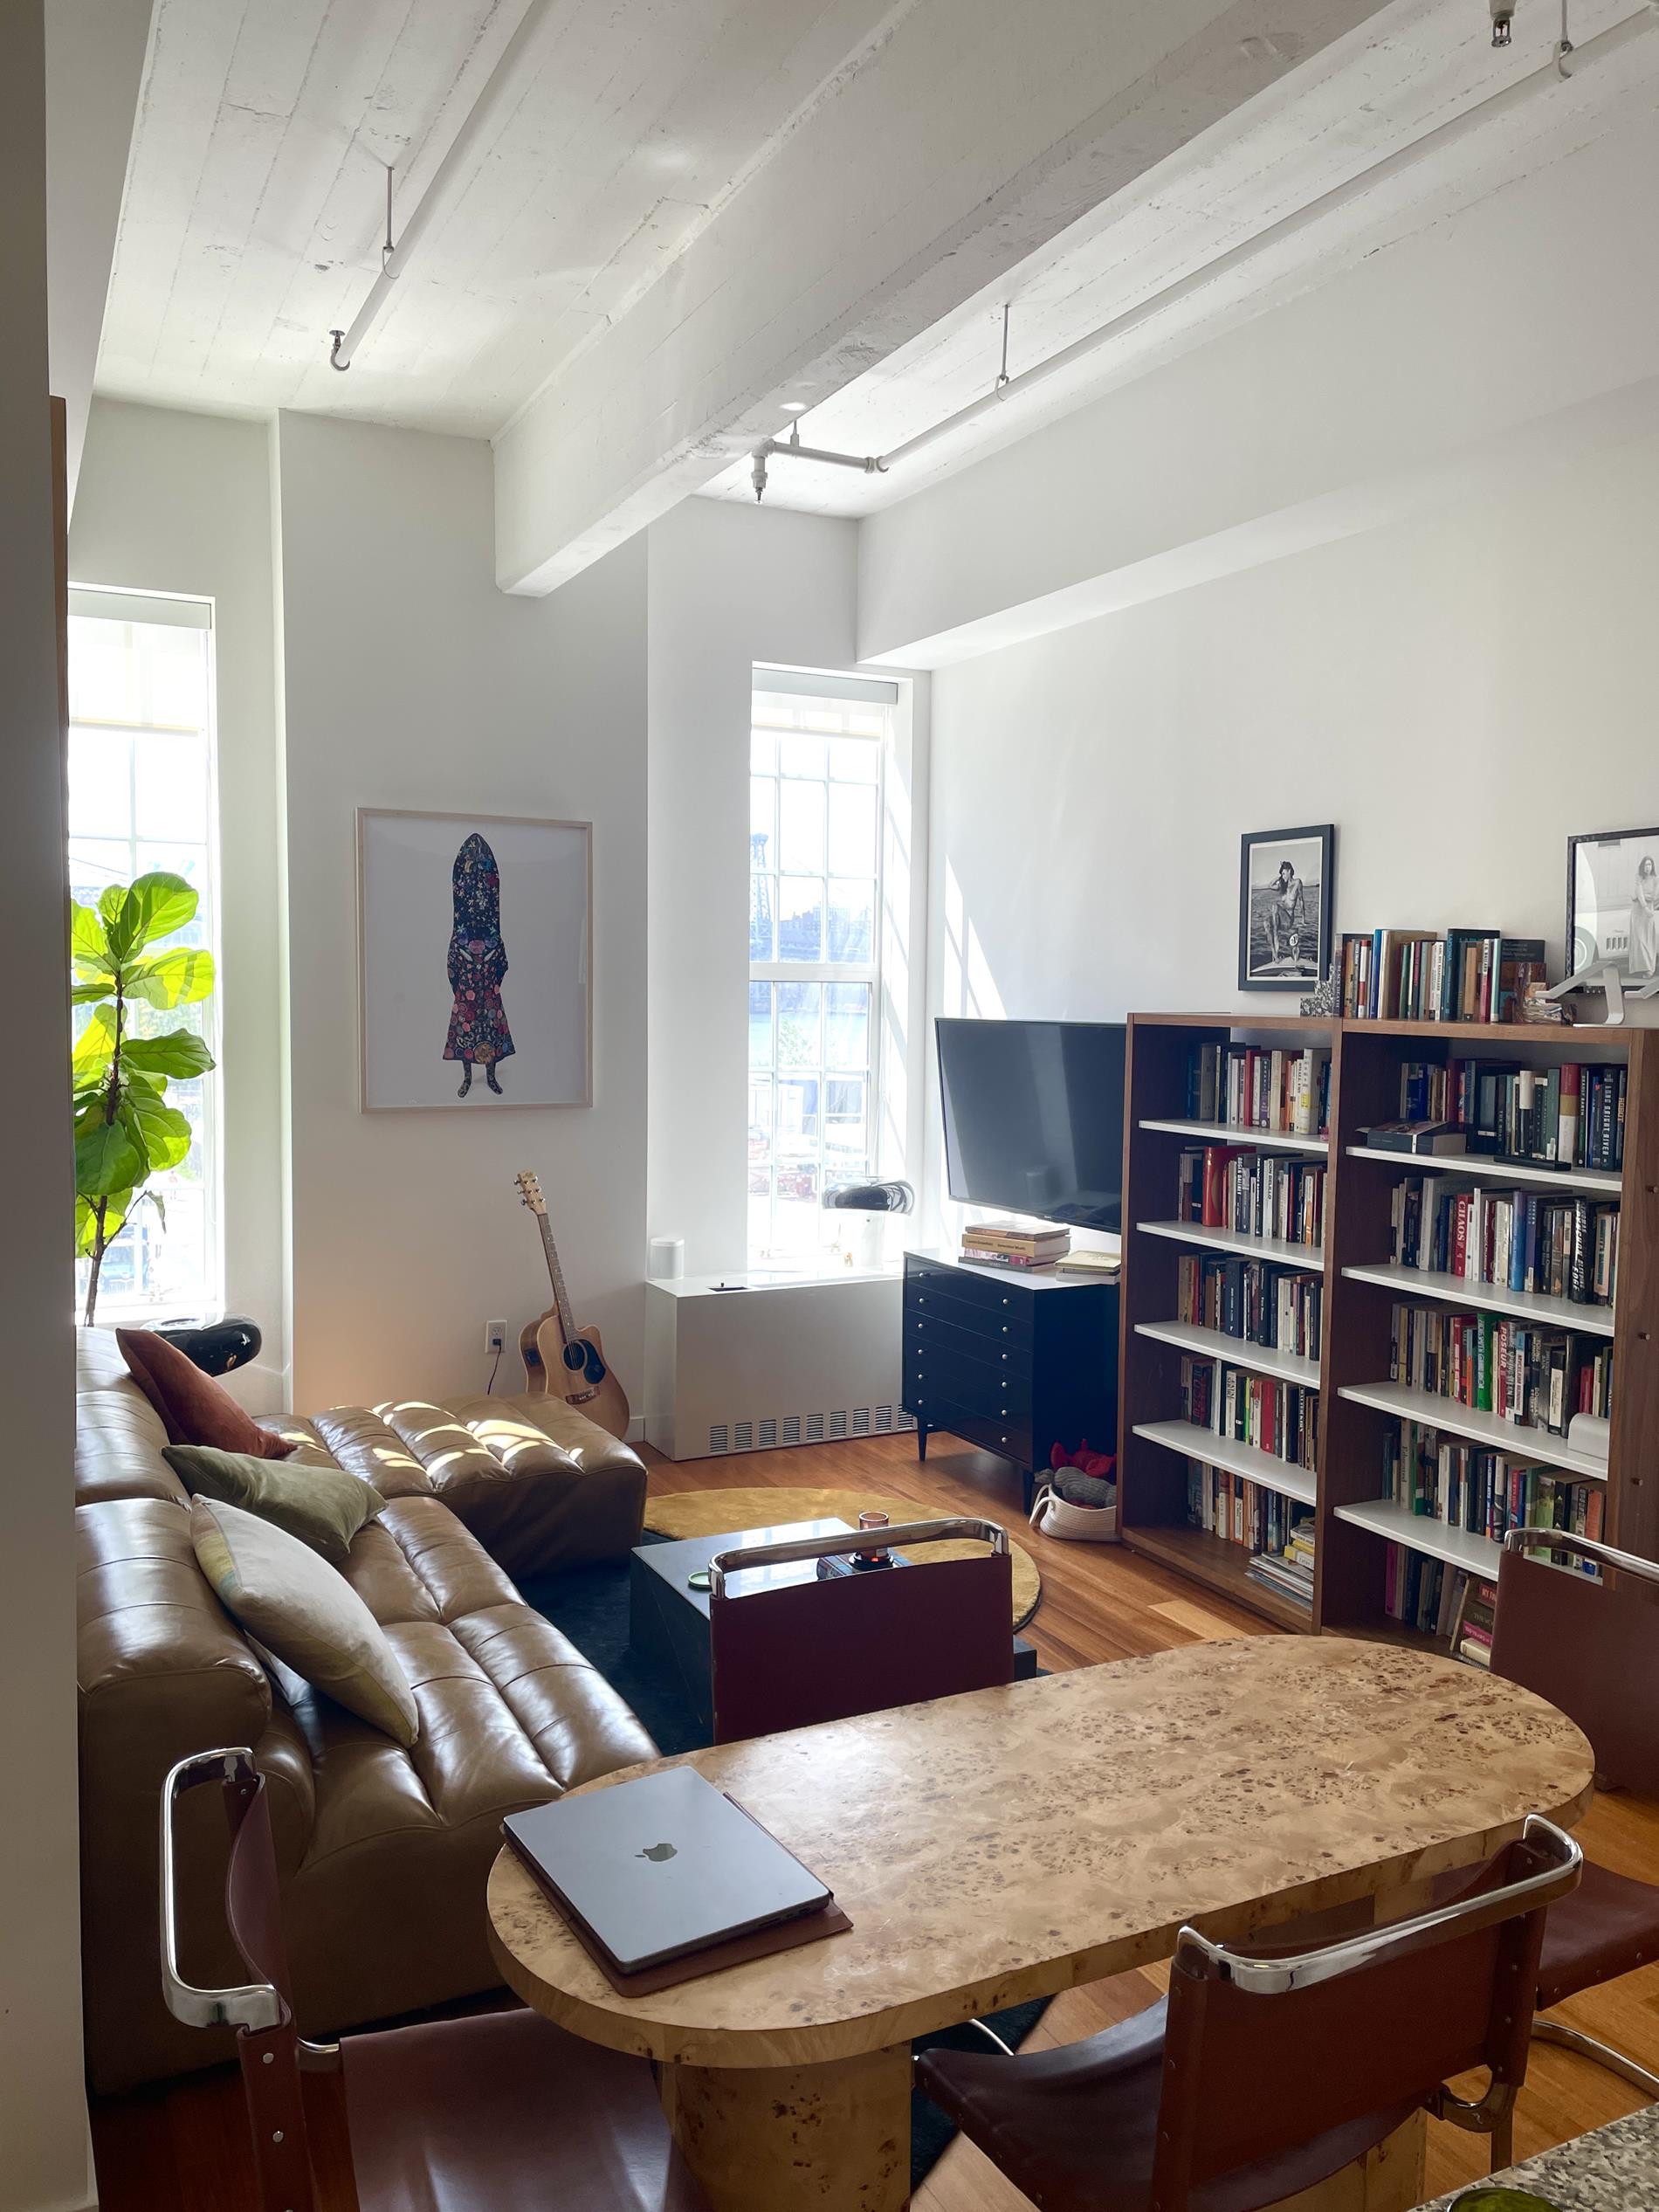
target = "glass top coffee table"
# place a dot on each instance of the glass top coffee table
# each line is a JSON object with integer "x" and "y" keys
{"x": 668, "y": 1620}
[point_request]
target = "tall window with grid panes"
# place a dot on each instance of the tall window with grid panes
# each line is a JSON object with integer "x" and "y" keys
{"x": 814, "y": 944}
{"x": 141, "y": 797}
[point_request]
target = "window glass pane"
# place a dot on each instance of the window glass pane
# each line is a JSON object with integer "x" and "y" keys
{"x": 852, "y": 920}
{"x": 852, "y": 829}
{"x": 869, "y": 722}
{"x": 760, "y": 1118}
{"x": 100, "y": 790}
{"x": 800, "y": 813}
{"x": 797, "y": 1116}
{"x": 175, "y": 667}
{"x": 853, "y": 761}
{"x": 170, "y": 783}
{"x": 798, "y": 1007}
{"x": 763, "y": 804}
{"x": 797, "y": 1220}
{"x": 763, "y": 898}
{"x": 800, "y": 918}
{"x": 94, "y": 864}
{"x": 846, "y": 1026}
{"x": 759, "y": 1026}
{"x": 800, "y": 755}
{"x": 819, "y": 718}
{"x": 846, "y": 1139}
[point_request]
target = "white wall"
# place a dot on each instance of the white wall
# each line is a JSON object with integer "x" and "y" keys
{"x": 410, "y": 681}
{"x": 1456, "y": 693}
{"x": 177, "y": 502}
{"x": 43, "y": 2113}
{"x": 729, "y": 586}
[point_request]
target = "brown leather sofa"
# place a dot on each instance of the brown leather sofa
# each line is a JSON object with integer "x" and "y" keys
{"x": 383, "y": 1853}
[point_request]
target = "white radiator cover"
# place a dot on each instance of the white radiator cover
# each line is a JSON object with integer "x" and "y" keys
{"x": 786, "y": 1360}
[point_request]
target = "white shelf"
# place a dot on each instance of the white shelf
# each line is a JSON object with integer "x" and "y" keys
{"x": 1491, "y": 1298}
{"x": 1535, "y": 1445}
{"x": 1309, "y": 1256}
{"x": 1457, "y": 1546}
{"x": 1586, "y": 1181}
{"x": 1216, "y": 1344}
{"x": 1237, "y": 1132}
{"x": 1193, "y": 1443}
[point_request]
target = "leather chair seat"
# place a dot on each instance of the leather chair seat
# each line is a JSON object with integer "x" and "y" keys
{"x": 1608, "y": 1926}
{"x": 507, "y": 2113}
{"x": 1076, "y": 2127}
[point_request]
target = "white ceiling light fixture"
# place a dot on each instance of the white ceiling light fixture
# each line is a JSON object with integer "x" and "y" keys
{"x": 395, "y": 258}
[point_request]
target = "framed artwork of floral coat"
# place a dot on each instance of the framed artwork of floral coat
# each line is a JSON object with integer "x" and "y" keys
{"x": 475, "y": 961}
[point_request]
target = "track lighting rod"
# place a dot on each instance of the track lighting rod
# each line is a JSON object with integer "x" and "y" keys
{"x": 393, "y": 259}
{"x": 1514, "y": 95}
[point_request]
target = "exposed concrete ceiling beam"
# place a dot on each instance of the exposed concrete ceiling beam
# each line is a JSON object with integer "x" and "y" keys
{"x": 961, "y": 137}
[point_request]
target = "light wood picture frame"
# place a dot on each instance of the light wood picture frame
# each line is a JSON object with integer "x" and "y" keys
{"x": 474, "y": 962}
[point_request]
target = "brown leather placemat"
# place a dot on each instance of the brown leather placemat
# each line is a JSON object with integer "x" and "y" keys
{"x": 737, "y": 1951}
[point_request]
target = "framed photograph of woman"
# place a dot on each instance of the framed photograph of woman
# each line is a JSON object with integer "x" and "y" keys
{"x": 475, "y": 944}
{"x": 1285, "y": 904}
{"x": 1613, "y": 904}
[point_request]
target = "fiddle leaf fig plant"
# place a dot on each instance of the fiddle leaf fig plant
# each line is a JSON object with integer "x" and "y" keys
{"x": 126, "y": 1132}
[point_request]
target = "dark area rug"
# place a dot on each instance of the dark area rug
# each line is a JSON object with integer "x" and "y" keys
{"x": 590, "y": 1605}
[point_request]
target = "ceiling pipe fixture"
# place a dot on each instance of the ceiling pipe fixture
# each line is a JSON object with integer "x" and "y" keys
{"x": 1513, "y": 95}
{"x": 395, "y": 258}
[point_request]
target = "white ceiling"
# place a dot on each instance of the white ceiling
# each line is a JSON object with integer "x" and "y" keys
{"x": 255, "y": 204}
{"x": 647, "y": 149}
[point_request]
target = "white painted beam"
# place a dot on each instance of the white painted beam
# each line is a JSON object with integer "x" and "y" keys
{"x": 1508, "y": 335}
{"x": 964, "y": 136}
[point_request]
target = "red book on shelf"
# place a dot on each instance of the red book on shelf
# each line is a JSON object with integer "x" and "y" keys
{"x": 1216, "y": 1159}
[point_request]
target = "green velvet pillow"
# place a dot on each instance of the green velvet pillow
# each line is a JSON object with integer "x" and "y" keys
{"x": 323, "y": 1506}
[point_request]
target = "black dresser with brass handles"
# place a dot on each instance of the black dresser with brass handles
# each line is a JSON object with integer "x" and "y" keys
{"x": 1015, "y": 1363}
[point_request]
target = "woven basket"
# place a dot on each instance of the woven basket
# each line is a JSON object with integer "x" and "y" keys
{"x": 1051, "y": 1515}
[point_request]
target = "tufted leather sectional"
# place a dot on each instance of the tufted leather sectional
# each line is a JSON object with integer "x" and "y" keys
{"x": 383, "y": 1853}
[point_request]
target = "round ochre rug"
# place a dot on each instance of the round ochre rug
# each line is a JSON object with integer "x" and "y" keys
{"x": 710, "y": 1512}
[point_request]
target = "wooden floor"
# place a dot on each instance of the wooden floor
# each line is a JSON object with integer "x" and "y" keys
{"x": 184, "y": 2149}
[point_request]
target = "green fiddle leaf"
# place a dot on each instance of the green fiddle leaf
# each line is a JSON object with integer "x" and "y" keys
{"x": 115, "y": 1209}
{"x": 181, "y": 1052}
{"x": 161, "y": 903}
{"x": 94, "y": 1047}
{"x": 89, "y": 994}
{"x": 106, "y": 1159}
{"x": 158, "y": 1131}
{"x": 179, "y": 978}
{"x": 87, "y": 938}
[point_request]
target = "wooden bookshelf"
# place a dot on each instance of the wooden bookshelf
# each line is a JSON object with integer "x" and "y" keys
{"x": 1358, "y": 1402}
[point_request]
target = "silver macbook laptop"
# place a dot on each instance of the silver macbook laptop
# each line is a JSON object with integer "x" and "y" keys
{"x": 662, "y": 1866}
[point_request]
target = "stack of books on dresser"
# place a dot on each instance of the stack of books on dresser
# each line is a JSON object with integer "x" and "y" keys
{"x": 1004, "y": 1243}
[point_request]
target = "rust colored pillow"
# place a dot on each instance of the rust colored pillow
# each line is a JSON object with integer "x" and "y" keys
{"x": 193, "y": 1407}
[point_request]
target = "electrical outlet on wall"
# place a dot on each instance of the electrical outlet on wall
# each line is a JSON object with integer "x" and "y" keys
{"x": 495, "y": 1338}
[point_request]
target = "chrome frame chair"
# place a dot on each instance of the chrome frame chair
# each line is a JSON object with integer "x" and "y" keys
{"x": 1519, "y": 1541}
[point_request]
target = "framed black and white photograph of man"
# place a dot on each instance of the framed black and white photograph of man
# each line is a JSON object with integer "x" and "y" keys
{"x": 1613, "y": 904}
{"x": 1284, "y": 886}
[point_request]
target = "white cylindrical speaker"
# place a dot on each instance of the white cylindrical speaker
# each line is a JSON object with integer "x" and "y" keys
{"x": 667, "y": 1258}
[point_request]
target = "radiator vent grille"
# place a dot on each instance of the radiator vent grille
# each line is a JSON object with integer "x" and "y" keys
{"x": 838, "y": 1423}
{"x": 768, "y": 1435}
{"x": 791, "y": 1428}
{"x": 815, "y": 1427}
{"x": 745, "y": 1438}
{"x": 765, "y": 1432}
{"x": 861, "y": 1421}
{"x": 883, "y": 1419}
{"x": 718, "y": 1438}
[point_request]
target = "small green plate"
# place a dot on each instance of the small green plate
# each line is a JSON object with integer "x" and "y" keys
{"x": 700, "y": 1581}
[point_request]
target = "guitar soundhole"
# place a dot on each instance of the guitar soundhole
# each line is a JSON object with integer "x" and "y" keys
{"x": 575, "y": 1357}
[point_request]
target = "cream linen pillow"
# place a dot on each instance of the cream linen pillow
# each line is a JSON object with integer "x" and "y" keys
{"x": 305, "y": 1612}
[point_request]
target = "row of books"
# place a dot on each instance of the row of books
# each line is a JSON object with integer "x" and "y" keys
{"x": 1518, "y": 1240}
{"x": 1571, "y": 1114}
{"x": 1279, "y": 1418}
{"x": 1536, "y": 1377}
{"x": 1419, "y": 976}
{"x": 1257, "y": 1193}
{"x": 1256, "y": 1087}
{"x": 1483, "y": 1491}
{"x": 1260, "y": 1520}
{"x": 1288, "y": 1570}
{"x": 1006, "y": 1244}
{"x": 1423, "y": 1593}
{"x": 1259, "y": 1301}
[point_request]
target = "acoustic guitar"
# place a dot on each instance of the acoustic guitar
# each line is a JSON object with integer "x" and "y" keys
{"x": 558, "y": 1356}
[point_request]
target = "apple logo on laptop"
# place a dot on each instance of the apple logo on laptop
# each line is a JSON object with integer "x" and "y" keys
{"x": 658, "y": 1852}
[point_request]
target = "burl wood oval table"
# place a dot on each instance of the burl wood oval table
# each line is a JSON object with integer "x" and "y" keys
{"x": 1005, "y": 1845}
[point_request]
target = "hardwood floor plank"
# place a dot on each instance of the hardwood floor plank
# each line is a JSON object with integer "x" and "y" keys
{"x": 182, "y": 2147}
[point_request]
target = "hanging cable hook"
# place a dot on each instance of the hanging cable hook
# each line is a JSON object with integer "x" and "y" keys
{"x": 1002, "y": 372}
{"x": 1564, "y": 47}
{"x": 387, "y": 250}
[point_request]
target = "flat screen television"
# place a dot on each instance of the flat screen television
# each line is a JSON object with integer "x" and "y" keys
{"x": 1034, "y": 1117}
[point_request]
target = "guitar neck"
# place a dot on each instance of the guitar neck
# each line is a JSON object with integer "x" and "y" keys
{"x": 556, "y": 1277}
